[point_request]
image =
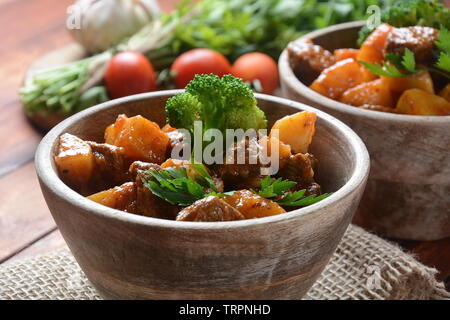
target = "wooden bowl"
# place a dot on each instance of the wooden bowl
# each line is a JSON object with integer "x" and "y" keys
{"x": 129, "y": 256}
{"x": 407, "y": 195}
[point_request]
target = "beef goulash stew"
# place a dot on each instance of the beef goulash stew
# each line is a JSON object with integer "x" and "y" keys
{"x": 397, "y": 70}
{"x": 133, "y": 169}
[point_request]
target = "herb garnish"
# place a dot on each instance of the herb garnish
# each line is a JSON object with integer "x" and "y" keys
{"x": 398, "y": 65}
{"x": 176, "y": 187}
{"x": 278, "y": 189}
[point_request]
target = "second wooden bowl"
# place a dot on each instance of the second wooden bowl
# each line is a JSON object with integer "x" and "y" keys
{"x": 408, "y": 192}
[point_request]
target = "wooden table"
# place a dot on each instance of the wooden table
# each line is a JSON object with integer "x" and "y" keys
{"x": 29, "y": 30}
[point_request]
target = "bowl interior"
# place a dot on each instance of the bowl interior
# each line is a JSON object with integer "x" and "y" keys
{"x": 337, "y": 157}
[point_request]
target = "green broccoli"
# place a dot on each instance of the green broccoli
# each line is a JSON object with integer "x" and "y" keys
{"x": 405, "y": 13}
{"x": 226, "y": 103}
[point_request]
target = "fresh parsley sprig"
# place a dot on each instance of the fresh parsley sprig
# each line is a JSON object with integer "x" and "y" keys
{"x": 398, "y": 65}
{"x": 279, "y": 190}
{"x": 394, "y": 64}
{"x": 176, "y": 187}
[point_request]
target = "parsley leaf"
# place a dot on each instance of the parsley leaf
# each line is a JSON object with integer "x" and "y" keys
{"x": 176, "y": 187}
{"x": 385, "y": 69}
{"x": 278, "y": 189}
{"x": 409, "y": 61}
{"x": 443, "y": 42}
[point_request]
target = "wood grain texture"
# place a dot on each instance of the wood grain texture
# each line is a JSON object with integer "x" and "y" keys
{"x": 29, "y": 30}
{"x": 49, "y": 242}
{"x": 407, "y": 196}
{"x": 24, "y": 216}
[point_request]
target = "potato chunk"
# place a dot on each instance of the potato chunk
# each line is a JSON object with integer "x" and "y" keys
{"x": 374, "y": 92}
{"x": 141, "y": 139}
{"x": 74, "y": 160}
{"x": 338, "y": 78}
{"x": 342, "y": 54}
{"x": 296, "y": 130}
{"x": 421, "y": 80}
{"x": 372, "y": 50}
{"x": 252, "y": 205}
{"x": 420, "y": 102}
{"x": 445, "y": 93}
{"x": 122, "y": 197}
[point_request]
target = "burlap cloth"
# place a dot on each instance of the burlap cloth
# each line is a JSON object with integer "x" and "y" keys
{"x": 363, "y": 267}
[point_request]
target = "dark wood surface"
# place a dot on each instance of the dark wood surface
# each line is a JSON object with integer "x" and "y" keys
{"x": 29, "y": 30}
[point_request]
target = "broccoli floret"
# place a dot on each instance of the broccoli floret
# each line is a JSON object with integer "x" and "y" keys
{"x": 226, "y": 103}
{"x": 406, "y": 13}
{"x": 182, "y": 110}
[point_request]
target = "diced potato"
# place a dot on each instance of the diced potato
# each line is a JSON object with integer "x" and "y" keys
{"x": 342, "y": 54}
{"x": 338, "y": 78}
{"x": 421, "y": 80}
{"x": 74, "y": 160}
{"x": 420, "y": 102}
{"x": 296, "y": 130}
{"x": 122, "y": 197}
{"x": 372, "y": 49}
{"x": 267, "y": 143}
{"x": 445, "y": 93}
{"x": 168, "y": 128}
{"x": 252, "y": 205}
{"x": 374, "y": 93}
{"x": 140, "y": 138}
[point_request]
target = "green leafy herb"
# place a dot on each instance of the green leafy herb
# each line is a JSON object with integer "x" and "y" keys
{"x": 396, "y": 62}
{"x": 443, "y": 44}
{"x": 278, "y": 189}
{"x": 385, "y": 69}
{"x": 409, "y": 61}
{"x": 176, "y": 187}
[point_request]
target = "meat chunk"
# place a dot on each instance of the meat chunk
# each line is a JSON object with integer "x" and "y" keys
{"x": 111, "y": 168}
{"x": 308, "y": 60}
{"x": 252, "y": 205}
{"x": 148, "y": 204}
{"x": 300, "y": 168}
{"x": 241, "y": 171}
{"x": 420, "y": 40}
{"x": 209, "y": 209}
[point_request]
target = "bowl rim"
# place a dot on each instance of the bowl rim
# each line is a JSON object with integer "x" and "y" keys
{"x": 287, "y": 75}
{"x": 49, "y": 177}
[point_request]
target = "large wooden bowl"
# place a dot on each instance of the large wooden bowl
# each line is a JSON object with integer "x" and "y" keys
{"x": 130, "y": 256}
{"x": 408, "y": 192}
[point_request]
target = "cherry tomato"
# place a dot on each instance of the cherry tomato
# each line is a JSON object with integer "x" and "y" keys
{"x": 129, "y": 73}
{"x": 199, "y": 61}
{"x": 257, "y": 66}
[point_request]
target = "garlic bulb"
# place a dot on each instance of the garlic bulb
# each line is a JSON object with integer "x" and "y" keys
{"x": 104, "y": 23}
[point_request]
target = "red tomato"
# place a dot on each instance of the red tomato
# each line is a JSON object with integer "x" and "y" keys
{"x": 257, "y": 66}
{"x": 129, "y": 73}
{"x": 199, "y": 61}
